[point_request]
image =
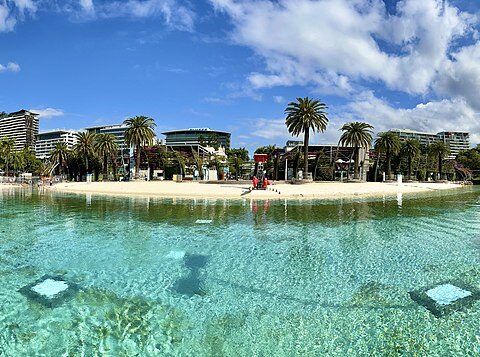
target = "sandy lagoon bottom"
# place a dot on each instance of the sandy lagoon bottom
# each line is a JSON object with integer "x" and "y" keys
{"x": 281, "y": 278}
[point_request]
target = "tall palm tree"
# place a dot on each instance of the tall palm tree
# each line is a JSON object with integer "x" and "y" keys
{"x": 7, "y": 151}
{"x": 302, "y": 116}
{"x": 140, "y": 132}
{"x": 18, "y": 161}
{"x": 105, "y": 146}
{"x": 59, "y": 155}
{"x": 387, "y": 143}
{"x": 441, "y": 151}
{"x": 358, "y": 135}
{"x": 411, "y": 150}
{"x": 85, "y": 147}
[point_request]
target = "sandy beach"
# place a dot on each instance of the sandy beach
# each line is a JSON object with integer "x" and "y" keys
{"x": 320, "y": 190}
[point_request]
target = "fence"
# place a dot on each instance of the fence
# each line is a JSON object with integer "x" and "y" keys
{"x": 29, "y": 180}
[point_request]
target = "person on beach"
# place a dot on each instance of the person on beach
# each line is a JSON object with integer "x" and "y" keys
{"x": 254, "y": 182}
{"x": 265, "y": 182}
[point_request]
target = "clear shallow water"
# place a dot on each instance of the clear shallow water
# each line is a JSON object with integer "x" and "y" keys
{"x": 264, "y": 278}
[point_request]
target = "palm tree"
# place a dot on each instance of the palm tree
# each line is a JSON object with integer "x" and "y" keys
{"x": 411, "y": 150}
{"x": 441, "y": 151}
{"x": 85, "y": 147}
{"x": 105, "y": 146}
{"x": 389, "y": 144}
{"x": 18, "y": 161}
{"x": 7, "y": 150}
{"x": 302, "y": 116}
{"x": 59, "y": 155}
{"x": 140, "y": 132}
{"x": 358, "y": 135}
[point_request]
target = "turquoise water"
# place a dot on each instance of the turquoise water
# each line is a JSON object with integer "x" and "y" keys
{"x": 263, "y": 278}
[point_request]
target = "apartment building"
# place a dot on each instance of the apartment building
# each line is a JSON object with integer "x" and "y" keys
{"x": 22, "y": 126}
{"x": 456, "y": 141}
{"x": 47, "y": 141}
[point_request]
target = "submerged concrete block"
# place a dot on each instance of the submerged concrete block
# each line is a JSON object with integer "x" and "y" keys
{"x": 444, "y": 298}
{"x": 50, "y": 291}
{"x": 203, "y": 221}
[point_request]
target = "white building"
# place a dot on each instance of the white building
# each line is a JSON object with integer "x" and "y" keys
{"x": 22, "y": 126}
{"x": 46, "y": 141}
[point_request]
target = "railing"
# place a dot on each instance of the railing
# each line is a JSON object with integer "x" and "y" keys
{"x": 29, "y": 180}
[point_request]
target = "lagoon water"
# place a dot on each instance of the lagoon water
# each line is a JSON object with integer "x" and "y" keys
{"x": 263, "y": 278}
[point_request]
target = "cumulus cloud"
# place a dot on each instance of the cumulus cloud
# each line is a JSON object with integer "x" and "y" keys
{"x": 338, "y": 45}
{"x": 10, "y": 67}
{"x": 13, "y": 11}
{"x": 47, "y": 113}
{"x": 461, "y": 76}
{"x": 434, "y": 116}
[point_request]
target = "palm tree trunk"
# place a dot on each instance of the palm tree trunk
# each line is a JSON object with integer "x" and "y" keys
{"x": 105, "y": 166}
{"x": 305, "y": 153}
{"x": 389, "y": 165}
{"x": 409, "y": 168}
{"x": 440, "y": 164}
{"x": 356, "y": 168}
{"x": 376, "y": 167}
{"x": 137, "y": 163}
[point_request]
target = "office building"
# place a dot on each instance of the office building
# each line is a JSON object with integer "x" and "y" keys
{"x": 203, "y": 137}
{"x": 22, "y": 126}
{"x": 117, "y": 130}
{"x": 47, "y": 141}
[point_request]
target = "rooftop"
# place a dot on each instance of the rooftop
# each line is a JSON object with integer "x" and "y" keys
{"x": 207, "y": 130}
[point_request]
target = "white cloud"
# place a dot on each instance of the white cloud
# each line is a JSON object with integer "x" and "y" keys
{"x": 12, "y": 11}
{"x": 461, "y": 76}
{"x": 87, "y": 6}
{"x": 47, "y": 113}
{"x": 279, "y": 99}
{"x": 10, "y": 67}
{"x": 270, "y": 128}
{"x": 337, "y": 45}
{"x": 435, "y": 116}
{"x": 176, "y": 15}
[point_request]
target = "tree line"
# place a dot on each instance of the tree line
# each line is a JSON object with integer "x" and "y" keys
{"x": 308, "y": 116}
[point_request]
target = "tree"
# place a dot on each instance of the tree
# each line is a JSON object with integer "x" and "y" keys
{"x": 7, "y": 150}
{"x": 59, "y": 155}
{"x": 140, "y": 132}
{"x": 441, "y": 151}
{"x": 85, "y": 147}
{"x": 106, "y": 146}
{"x": 387, "y": 143}
{"x": 358, "y": 135}
{"x": 303, "y": 116}
{"x": 470, "y": 158}
{"x": 411, "y": 150}
{"x": 270, "y": 151}
{"x": 236, "y": 158}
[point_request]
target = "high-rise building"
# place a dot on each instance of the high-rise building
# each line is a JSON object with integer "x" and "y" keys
{"x": 456, "y": 141}
{"x": 22, "y": 126}
{"x": 47, "y": 141}
{"x": 422, "y": 137}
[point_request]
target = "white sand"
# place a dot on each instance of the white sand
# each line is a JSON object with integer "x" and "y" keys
{"x": 235, "y": 191}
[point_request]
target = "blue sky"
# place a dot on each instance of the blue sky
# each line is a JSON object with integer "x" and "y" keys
{"x": 234, "y": 65}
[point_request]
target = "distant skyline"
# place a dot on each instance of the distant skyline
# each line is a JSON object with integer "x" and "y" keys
{"x": 234, "y": 65}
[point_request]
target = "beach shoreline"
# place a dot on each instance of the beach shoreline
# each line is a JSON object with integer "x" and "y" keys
{"x": 279, "y": 190}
